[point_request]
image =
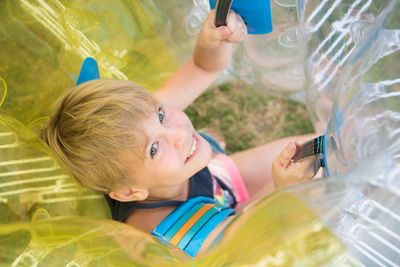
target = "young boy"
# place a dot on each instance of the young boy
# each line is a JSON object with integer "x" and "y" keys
{"x": 142, "y": 150}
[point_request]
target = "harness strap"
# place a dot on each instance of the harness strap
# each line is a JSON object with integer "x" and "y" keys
{"x": 188, "y": 226}
{"x": 158, "y": 204}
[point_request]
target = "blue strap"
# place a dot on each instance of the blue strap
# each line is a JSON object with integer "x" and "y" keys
{"x": 181, "y": 221}
{"x": 213, "y": 143}
{"x": 193, "y": 239}
{"x": 197, "y": 241}
{"x": 325, "y": 157}
{"x": 200, "y": 223}
{"x": 174, "y": 216}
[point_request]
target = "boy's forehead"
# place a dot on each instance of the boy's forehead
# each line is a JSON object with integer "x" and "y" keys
{"x": 143, "y": 133}
{"x": 142, "y": 129}
{"x": 134, "y": 154}
{"x": 149, "y": 107}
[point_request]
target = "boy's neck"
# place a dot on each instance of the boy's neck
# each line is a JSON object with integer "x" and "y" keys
{"x": 177, "y": 192}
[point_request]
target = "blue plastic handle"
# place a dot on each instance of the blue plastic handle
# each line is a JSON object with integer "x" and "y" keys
{"x": 89, "y": 71}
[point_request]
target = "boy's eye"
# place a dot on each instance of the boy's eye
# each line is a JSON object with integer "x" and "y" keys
{"x": 161, "y": 114}
{"x": 153, "y": 150}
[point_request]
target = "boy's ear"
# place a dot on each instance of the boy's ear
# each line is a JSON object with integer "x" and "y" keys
{"x": 125, "y": 194}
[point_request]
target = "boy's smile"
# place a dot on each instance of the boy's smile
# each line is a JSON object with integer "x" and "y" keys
{"x": 193, "y": 149}
{"x": 174, "y": 152}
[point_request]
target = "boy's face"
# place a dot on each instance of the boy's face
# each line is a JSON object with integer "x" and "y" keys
{"x": 173, "y": 151}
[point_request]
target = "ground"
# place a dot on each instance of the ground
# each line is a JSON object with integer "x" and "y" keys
{"x": 247, "y": 117}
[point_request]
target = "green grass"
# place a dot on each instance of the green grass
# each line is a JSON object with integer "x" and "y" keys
{"x": 247, "y": 117}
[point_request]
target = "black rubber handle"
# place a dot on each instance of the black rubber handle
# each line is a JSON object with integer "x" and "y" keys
{"x": 310, "y": 148}
{"x": 313, "y": 148}
{"x": 222, "y": 10}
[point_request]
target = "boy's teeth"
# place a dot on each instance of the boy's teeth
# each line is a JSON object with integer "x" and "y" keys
{"x": 193, "y": 148}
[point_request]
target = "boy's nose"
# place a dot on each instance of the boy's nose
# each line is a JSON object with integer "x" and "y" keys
{"x": 177, "y": 136}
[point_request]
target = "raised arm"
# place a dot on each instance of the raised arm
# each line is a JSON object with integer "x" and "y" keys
{"x": 211, "y": 55}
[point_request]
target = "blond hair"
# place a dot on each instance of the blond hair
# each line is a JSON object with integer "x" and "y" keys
{"x": 95, "y": 127}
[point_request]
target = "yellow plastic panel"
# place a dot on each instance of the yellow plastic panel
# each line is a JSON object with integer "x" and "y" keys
{"x": 279, "y": 230}
{"x": 43, "y": 44}
{"x": 33, "y": 185}
{"x": 78, "y": 241}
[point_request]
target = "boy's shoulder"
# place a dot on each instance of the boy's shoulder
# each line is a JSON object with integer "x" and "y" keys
{"x": 147, "y": 219}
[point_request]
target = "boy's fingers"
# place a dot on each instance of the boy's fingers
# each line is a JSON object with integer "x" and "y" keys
{"x": 233, "y": 32}
{"x": 238, "y": 35}
{"x": 213, "y": 37}
{"x": 287, "y": 154}
{"x": 222, "y": 33}
{"x": 231, "y": 20}
{"x": 234, "y": 22}
{"x": 306, "y": 168}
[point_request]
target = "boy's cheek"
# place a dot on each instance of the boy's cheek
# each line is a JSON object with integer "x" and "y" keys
{"x": 207, "y": 148}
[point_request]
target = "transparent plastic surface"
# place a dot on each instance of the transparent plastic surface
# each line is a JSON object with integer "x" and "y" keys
{"x": 360, "y": 201}
{"x": 362, "y": 208}
{"x": 272, "y": 62}
{"x": 365, "y": 118}
{"x": 332, "y": 32}
{"x": 268, "y": 62}
{"x": 346, "y": 51}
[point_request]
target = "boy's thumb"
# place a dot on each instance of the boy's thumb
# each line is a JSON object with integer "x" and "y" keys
{"x": 287, "y": 154}
{"x": 223, "y": 32}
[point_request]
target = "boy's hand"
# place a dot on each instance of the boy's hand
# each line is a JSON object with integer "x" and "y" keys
{"x": 286, "y": 173}
{"x": 211, "y": 37}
